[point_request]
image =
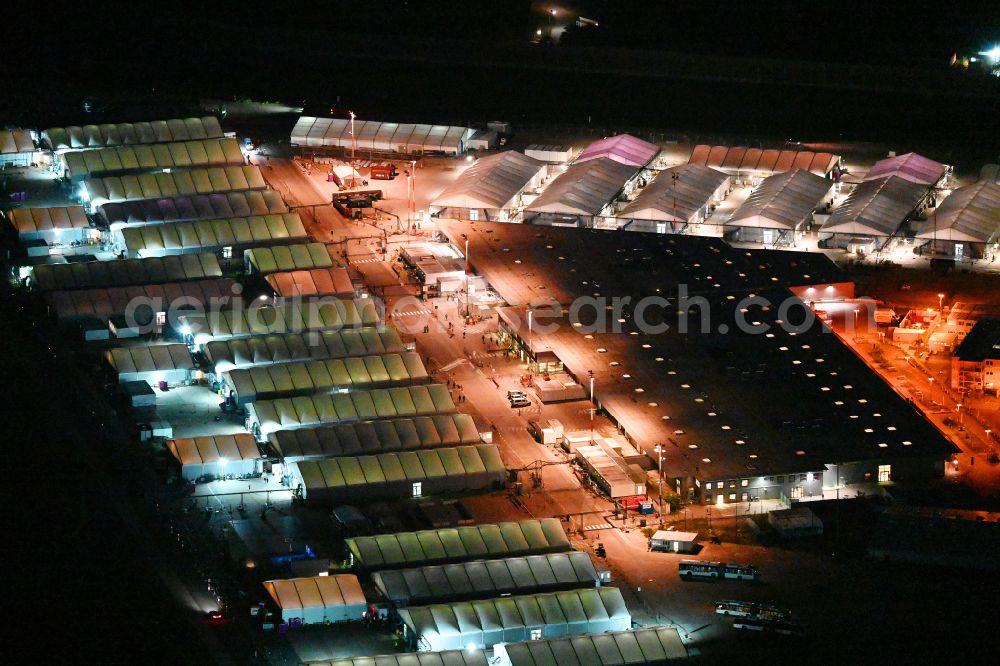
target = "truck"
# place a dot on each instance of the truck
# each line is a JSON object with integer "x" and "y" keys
{"x": 383, "y": 172}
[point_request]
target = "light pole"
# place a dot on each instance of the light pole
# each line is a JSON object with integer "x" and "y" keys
{"x": 659, "y": 483}
{"x": 856, "y": 311}
{"x": 940, "y": 302}
{"x": 593, "y": 406}
{"x": 958, "y": 407}
{"x": 354, "y": 144}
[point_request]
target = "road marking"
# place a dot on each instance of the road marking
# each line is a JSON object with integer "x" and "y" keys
{"x": 598, "y": 526}
{"x": 365, "y": 261}
{"x": 407, "y": 313}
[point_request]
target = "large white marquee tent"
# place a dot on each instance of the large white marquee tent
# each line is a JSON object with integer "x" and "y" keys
{"x": 382, "y": 136}
{"x": 156, "y": 131}
{"x": 198, "y": 207}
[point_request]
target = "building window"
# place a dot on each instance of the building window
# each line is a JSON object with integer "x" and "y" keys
{"x": 418, "y": 489}
{"x": 732, "y": 496}
{"x": 802, "y": 477}
{"x": 745, "y": 497}
{"x": 744, "y": 483}
{"x": 227, "y": 252}
{"x": 708, "y": 498}
{"x": 732, "y": 484}
{"x": 796, "y": 492}
{"x": 473, "y": 214}
{"x": 781, "y": 479}
{"x": 884, "y": 473}
{"x": 536, "y": 634}
{"x": 661, "y": 227}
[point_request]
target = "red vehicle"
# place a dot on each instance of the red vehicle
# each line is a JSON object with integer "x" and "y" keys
{"x": 216, "y": 618}
{"x": 383, "y": 172}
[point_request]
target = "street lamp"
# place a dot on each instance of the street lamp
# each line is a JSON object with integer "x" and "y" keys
{"x": 940, "y": 301}
{"x": 354, "y": 144}
{"x": 856, "y": 311}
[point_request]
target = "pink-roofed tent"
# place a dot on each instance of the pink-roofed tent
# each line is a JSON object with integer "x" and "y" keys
{"x": 911, "y": 166}
{"x": 623, "y": 148}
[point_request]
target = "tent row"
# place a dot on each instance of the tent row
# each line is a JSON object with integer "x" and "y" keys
{"x": 453, "y": 544}
{"x": 375, "y": 135}
{"x": 443, "y": 658}
{"x": 287, "y": 317}
{"x": 512, "y": 619}
{"x": 267, "y": 260}
{"x": 49, "y": 224}
{"x": 310, "y": 283}
{"x": 266, "y": 416}
{"x": 486, "y": 578}
{"x": 80, "y": 164}
{"x": 584, "y": 189}
{"x": 679, "y": 195}
{"x": 911, "y": 166}
{"x": 176, "y": 183}
{"x": 969, "y": 214}
{"x": 156, "y": 131}
{"x": 140, "y": 302}
{"x": 739, "y": 161}
{"x": 400, "y": 474}
{"x": 151, "y": 363}
{"x": 650, "y": 645}
{"x": 319, "y": 599}
{"x": 288, "y": 347}
{"x": 490, "y": 185}
{"x": 198, "y": 207}
{"x": 215, "y": 456}
{"x": 369, "y": 437}
{"x": 210, "y": 235}
{"x": 308, "y": 377}
{"x": 784, "y": 201}
{"x": 623, "y": 148}
{"x": 13, "y": 142}
{"x": 876, "y": 208}
{"x": 125, "y": 272}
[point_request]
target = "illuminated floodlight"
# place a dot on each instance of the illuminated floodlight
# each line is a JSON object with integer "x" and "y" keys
{"x": 84, "y": 194}
{"x": 993, "y": 54}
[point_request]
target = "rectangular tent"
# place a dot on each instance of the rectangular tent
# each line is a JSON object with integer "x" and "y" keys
{"x": 63, "y": 225}
{"x": 623, "y": 148}
{"x": 757, "y": 163}
{"x": 583, "y": 191}
{"x": 911, "y": 166}
{"x": 783, "y": 203}
{"x": 210, "y": 235}
{"x": 80, "y": 164}
{"x": 153, "y": 363}
{"x": 399, "y": 475}
{"x": 679, "y": 195}
{"x": 444, "y": 658}
{"x": 267, "y": 416}
{"x": 158, "y": 131}
{"x": 281, "y": 318}
{"x": 526, "y": 537}
{"x": 186, "y": 182}
{"x": 16, "y": 147}
{"x": 215, "y": 456}
{"x": 486, "y": 578}
{"x": 650, "y": 645}
{"x": 969, "y": 217}
{"x": 125, "y": 272}
{"x": 511, "y": 619}
{"x": 370, "y": 437}
{"x": 323, "y": 376}
{"x": 491, "y": 188}
{"x": 319, "y": 599}
{"x": 106, "y": 303}
{"x": 314, "y": 282}
{"x": 382, "y": 136}
{"x": 267, "y": 260}
{"x": 288, "y": 347}
{"x": 198, "y": 207}
{"x": 876, "y": 208}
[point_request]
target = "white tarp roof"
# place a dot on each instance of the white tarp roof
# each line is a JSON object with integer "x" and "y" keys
{"x": 315, "y": 282}
{"x": 176, "y": 183}
{"x": 876, "y": 207}
{"x": 16, "y": 141}
{"x": 125, "y": 272}
{"x": 29, "y": 221}
{"x": 212, "y": 450}
{"x": 284, "y": 258}
{"x": 368, "y": 437}
{"x": 375, "y": 135}
{"x": 383, "y": 403}
{"x": 969, "y": 214}
{"x": 459, "y": 543}
{"x": 114, "y": 301}
{"x": 585, "y": 188}
{"x": 483, "y": 578}
{"x": 623, "y": 148}
{"x": 676, "y": 200}
{"x": 782, "y": 201}
{"x": 156, "y": 131}
{"x": 288, "y": 347}
{"x": 150, "y": 358}
{"x": 179, "y": 155}
{"x": 762, "y": 162}
{"x": 651, "y": 645}
{"x": 197, "y": 207}
{"x": 492, "y": 182}
{"x": 461, "y": 657}
{"x": 211, "y": 235}
{"x": 329, "y": 314}
{"x": 911, "y": 166}
{"x": 316, "y": 592}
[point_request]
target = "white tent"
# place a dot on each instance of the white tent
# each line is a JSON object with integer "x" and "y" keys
{"x": 584, "y": 189}
{"x": 187, "y": 182}
{"x": 142, "y": 301}
{"x": 444, "y": 658}
{"x": 266, "y": 260}
{"x": 215, "y": 456}
{"x": 492, "y": 183}
{"x": 651, "y": 645}
{"x": 783, "y": 201}
{"x": 157, "y": 131}
{"x": 63, "y": 224}
{"x": 198, "y": 207}
{"x": 970, "y": 214}
{"x": 876, "y": 208}
{"x": 314, "y": 282}
{"x": 382, "y": 136}
{"x": 757, "y": 162}
{"x": 154, "y": 363}
{"x": 211, "y": 235}
{"x": 680, "y": 194}
{"x": 80, "y": 164}
{"x": 287, "y": 347}
{"x": 319, "y": 599}
{"x": 126, "y": 272}
{"x": 16, "y": 147}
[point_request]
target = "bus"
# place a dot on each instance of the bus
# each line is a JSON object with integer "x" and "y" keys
{"x": 751, "y": 609}
{"x": 739, "y": 572}
{"x": 769, "y": 626}
{"x": 698, "y": 568}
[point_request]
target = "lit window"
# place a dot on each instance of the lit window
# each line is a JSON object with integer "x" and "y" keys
{"x": 227, "y": 252}
{"x": 744, "y": 482}
{"x": 536, "y": 634}
{"x": 418, "y": 489}
{"x": 884, "y": 473}
{"x": 796, "y": 492}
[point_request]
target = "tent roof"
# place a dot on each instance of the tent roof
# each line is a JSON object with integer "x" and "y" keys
{"x": 911, "y": 166}
{"x": 98, "y": 136}
{"x": 287, "y": 347}
{"x": 267, "y": 260}
{"x": 197, "y": 207}
{"x": 187, "y": 182}
{"x": 491, "y": 182}
{"x": 329, "y": 314}
{"x": 876, "y": 207}
{"x": 371, "y": 134}
{"x": 479, "y": 541}
{"x": 732, "y": 159}
{"x": 209, "y": 450}
{"x": 316, "y": 282}
{"x": 214, "y": 234}
{"x": 34, "y": 220}
{"x": 113, "y": 301}
{"x": 151, "y": 358}
{"x": 424, "y": 658}
{"x": 316, "y": 592}
{"x": 990, "y": 173}
{"x": 969, "y": 214}
{"x": 181, "y": 154}
{"x": 623, "y": 148}
{"x": 680, "y": 199}
{"x": 585, "y": 188}
{"x": 782, "y": 201}
{"x": 652, "y": 645}
{"x": 16, "y": 141}
{"x": 125, "y": 272}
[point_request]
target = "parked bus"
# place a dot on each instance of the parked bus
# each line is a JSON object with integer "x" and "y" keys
{"x": 698, "y": 568}
{"x": 751, "y": 609}
{"x": 769, "y": 626}
{"x": 739, "y": 571}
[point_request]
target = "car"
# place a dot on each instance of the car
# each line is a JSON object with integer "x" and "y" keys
{"x": 520, "y": 402}
{"x": 216, "y": 618}
{"x": 515, "y": 395}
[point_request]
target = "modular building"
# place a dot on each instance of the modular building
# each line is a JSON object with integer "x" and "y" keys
{"x": 674, "y": 542}
{"x": 153, "y": 363}
{"x": 455, "y": 544}
{"x": 491, "y": 189}
{"x": 56, "y": 226}
{"x": 228, "y": 238}
{"x": 75, "y": 137}
{"x": 319, "y": 599}
{"x": 371, "y": 437}
{"x": 483, "y": 624}
{"x": 288, "y": 347}
{"x": 216, "y": 456}
{"x": 371, "y": 135}
{"x": 610, "y": 471}
{"x": 779, "y": 210}
{"x": 267, "y": 416}
{"x": 677, "y": 198}
{"x": 486, "y": 578}
{"x": 193, "y": 207}
{"x": 651, "y": 645}
{"x": 125, "y": 272}
{"x": 399, "y": 475}
{"x": 188, "y": 182}
{"x": 550, "y": 154}
{"x": 114, "y": 160}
